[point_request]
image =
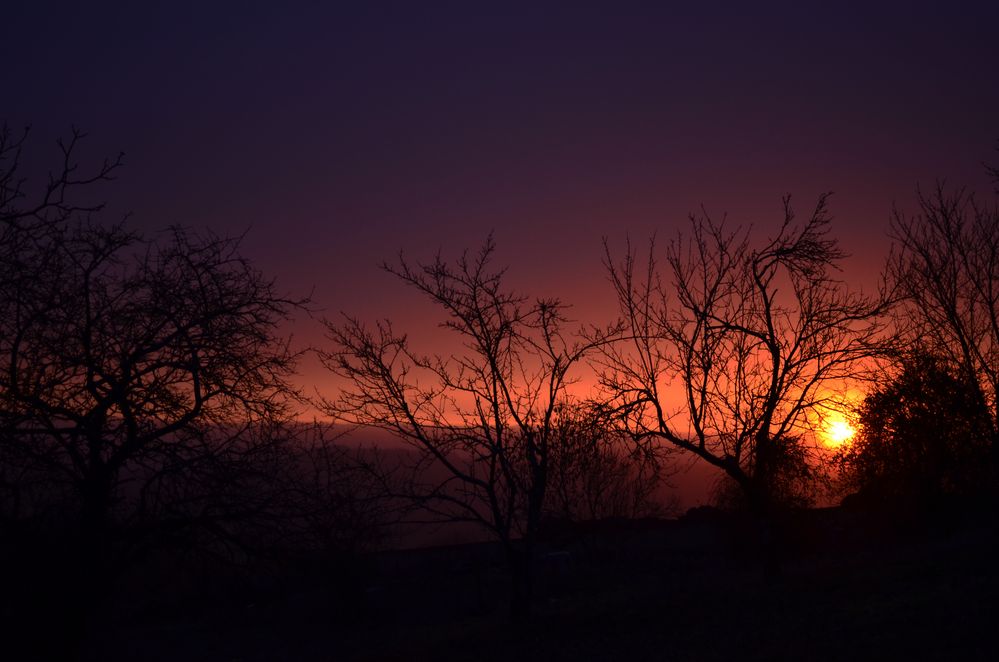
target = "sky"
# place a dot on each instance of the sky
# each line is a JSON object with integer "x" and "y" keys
{"x": 338, "y": 134}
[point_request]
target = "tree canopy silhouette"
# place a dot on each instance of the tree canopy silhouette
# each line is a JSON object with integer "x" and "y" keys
{"x": 142, "y": 378}
{"x": 945, "y": 269}
{"x": 733, "y": 346}
{"x": 484, "y": 419}
{"x": 923, "y": 436}
{"x": 596, "y": 472}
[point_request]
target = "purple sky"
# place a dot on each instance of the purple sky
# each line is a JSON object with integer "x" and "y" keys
{"x": 340, "y": 133}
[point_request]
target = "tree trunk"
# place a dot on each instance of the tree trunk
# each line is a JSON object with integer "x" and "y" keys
{"x": 522, "y": 586}
{"x": 89, "y": 572}
{"x": 766, "y": 523}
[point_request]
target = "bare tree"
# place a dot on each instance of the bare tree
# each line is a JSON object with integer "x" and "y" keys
{"x": 133, "y": 358}
{"x": 341, "y": 499}
{"x": 732, "y": 349}
{"x": 993, "y": 172}
{"x": 142, "y": 378}
{"x": 30, "y": 221}
{"x": 482, "y": 419}
{"x": 59, "y": 198}
{"x": 597, "y": 472}
{"x": 946, "y": 270}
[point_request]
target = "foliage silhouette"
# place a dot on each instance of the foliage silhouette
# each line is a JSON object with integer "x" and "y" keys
{"x": 923, "y": 437}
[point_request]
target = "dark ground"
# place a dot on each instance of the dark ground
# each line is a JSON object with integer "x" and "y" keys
{"x": 849, "y": 588}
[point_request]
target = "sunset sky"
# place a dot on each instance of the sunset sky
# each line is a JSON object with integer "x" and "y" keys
{"x": 340, "y": 133}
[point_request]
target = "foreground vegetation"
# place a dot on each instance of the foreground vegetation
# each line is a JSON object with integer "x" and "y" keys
{"x": 850, "y": 588}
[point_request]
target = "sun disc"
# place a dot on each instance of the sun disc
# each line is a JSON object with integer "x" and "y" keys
{"x": 838, "y": 432}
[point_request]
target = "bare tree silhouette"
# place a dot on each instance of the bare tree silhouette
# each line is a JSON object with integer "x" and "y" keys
{"x": 125, "y": 353}
{"x": 143, "y": 378}
{"x": 597, "y": 472}
{"x": 59, "y": 198}
{"x": 484, "y": 419}
{"x": 946, "y": 270}
{"x": 993, "y": 172}
{"x": 731, "y": 348}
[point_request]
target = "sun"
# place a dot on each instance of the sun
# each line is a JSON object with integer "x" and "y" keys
{"x": 838, "y": 432}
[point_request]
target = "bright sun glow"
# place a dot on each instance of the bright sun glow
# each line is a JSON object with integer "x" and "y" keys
{"x": 838, "y": 432}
